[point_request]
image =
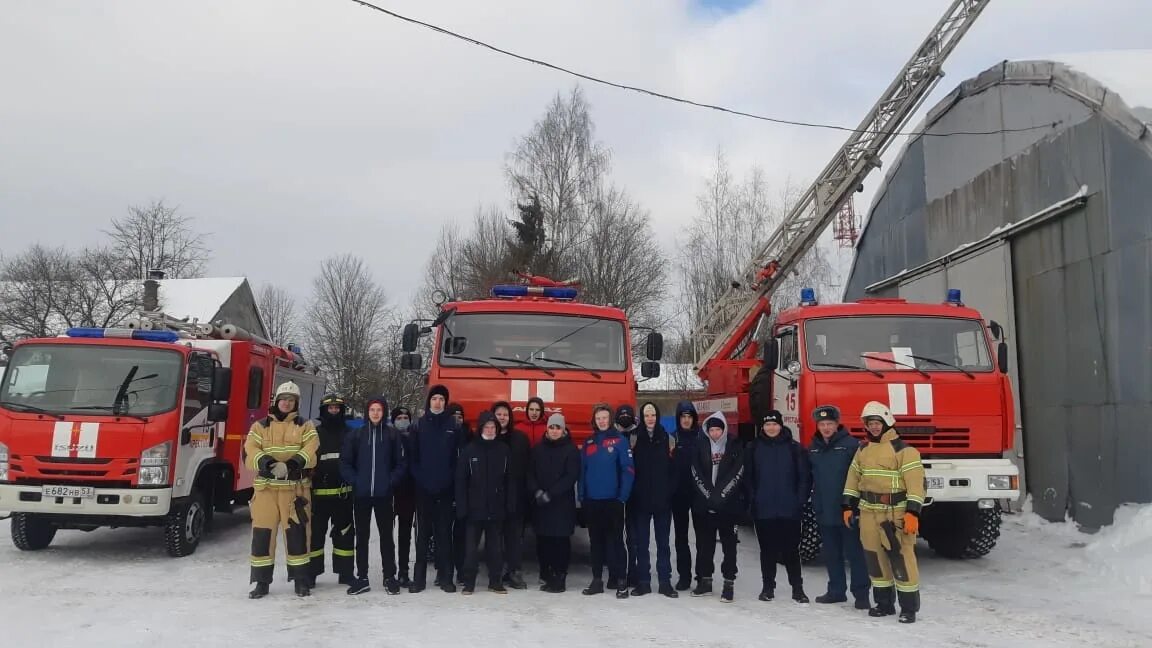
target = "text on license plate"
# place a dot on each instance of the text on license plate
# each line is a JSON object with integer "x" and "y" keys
{"x": 82, "y": 492}
{"x": 936, "y": 483}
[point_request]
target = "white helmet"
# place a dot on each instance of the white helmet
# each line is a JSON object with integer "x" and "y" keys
{"x": 287, "y": 389}
{"x": 876, "y": 409}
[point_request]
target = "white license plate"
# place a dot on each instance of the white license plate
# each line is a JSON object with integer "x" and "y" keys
{"x": 935, "y": 483}
{"x": 82, "y": 492}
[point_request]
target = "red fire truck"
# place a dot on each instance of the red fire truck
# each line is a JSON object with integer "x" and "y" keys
{"x": 132, "y": 427}
{"x": 533, "y": 339}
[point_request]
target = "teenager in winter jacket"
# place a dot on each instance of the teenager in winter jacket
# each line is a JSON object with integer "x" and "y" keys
{"x": 436, "y": 442}
{"x": 514, "y": 523}
{"x": 374, "y": 462}
{"x": 332, "y": 502}
{"x": 650, "y": 503}
{"x": 686, "y": 438}
{"x": 718, "y": 475}
{"x": 625, "y": 422}
{"x": 484, "y": 486}
{"x": 552, "y": 475}
{"x": 535, "y": 420}
{"x": 779, "y": 482}
{"x": 459, "y": 529}
{"x": 404, "y": 499}
{"x": 831, "y": 456}
{"x": 606, "y": 477}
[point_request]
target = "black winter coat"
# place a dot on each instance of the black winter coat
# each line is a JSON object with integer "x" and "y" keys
{"x": 483, "y": 482}
{"x": 434, "y": 441}
{"x": 520, "y": 448}
{"x": 651, "y": 455}
{"x": 727, "y": 494}
{"x": 327, "y": 472}
{"x": 830, "y": 462}
{"x": 554, "y": 469}
{"x": 687, "y": 441}
{"x": 779, "y": 477}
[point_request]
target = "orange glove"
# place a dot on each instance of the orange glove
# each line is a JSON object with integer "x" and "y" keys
{"x": 911, "y": 523}
{"x": 848, "y": 513}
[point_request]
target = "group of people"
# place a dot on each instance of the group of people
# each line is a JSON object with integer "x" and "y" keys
{"x": 633, "y": 481}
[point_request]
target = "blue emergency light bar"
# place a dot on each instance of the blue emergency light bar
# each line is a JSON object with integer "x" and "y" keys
{"x": 134, "y": 334}
{"x": 518, "y": 290}
{"x": 954, "y": 297}
{"x": 807, "y": 297}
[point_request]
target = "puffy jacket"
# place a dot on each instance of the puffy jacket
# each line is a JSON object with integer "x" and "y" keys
{"x": 554, "y": 469}
{"x": 436, "y": 441}
{"x": 719, "y": 477}
{"x": 606, "y": 470}
{"x": 684, "y": 453}
{"x": 830, "y": 461}
{"x": 779, "y": 477}
{"x": 290, "y": 439}
{"x": 373, "y": 460}
{"x": 326, "y": 478}
{"x": 520, "y": 447}
{"x": 483, "y": 481}
{"x": 651, "y": 455}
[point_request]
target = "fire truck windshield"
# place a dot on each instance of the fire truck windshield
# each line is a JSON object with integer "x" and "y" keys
{"x": 90, "y": 379}
{"x": 885, "y": 344}
{"x": 557, "y": 342}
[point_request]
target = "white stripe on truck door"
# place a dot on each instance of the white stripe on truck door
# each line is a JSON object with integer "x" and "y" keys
{"x": 519, "y": 391}
{"x": 898, "y": 398}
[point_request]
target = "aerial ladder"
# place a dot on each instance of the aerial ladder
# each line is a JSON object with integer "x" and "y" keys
{"x": 725, "y": 343}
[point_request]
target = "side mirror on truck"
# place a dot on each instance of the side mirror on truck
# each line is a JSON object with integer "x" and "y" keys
{"x": 221, "y": 384}
{"x": 217, "y": 412}
{"x": 410, "y": 338}
{"x": 654, "y": 347}
{"x": 997, "y": 330}
{"x": 650, "y": 369}
{"x": 411, "y": 362}
{"x": 1002, "y": 357}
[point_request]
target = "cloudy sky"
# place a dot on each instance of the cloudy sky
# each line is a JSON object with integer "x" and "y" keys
{"x": 296, "y": 129}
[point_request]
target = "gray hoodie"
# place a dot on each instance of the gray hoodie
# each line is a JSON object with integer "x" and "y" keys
{"x": 717, "y": 447}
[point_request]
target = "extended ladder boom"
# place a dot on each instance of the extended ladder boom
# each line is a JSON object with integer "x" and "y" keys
{"x": 847, "y": 170}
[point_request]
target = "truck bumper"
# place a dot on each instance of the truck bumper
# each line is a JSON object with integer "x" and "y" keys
{"x": 129, "y": 502}
{"x": 971, "y": 480}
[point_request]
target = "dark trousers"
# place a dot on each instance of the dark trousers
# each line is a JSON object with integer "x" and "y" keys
{"x": 405, "y": 521}
{"x": 493, "y": 534}
{"x": 513, "y": 542}
{"x": 642, "y": 525}
{"x": 708, "y": 524}
{"x": 681, "y": 514}
{"x": 554, "y": 554}
{"x": 606, "y": 536}
{"x": 459, "y": 537}
{"x": 779, "y": 543}
{"x": 337, "y": 511}
{"x": 436, "y": 516}
{"x": 839, "y": 544}
{"x": 631, "y": 542}
{"x": 365, "y": 508}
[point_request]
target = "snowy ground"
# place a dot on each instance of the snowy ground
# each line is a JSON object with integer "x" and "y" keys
{"x": 1044, "y": 585}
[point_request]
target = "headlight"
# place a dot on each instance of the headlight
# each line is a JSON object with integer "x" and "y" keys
{"x": 1002, "y": 482}
{"x": 3, "y": 462}
{"x": 154, "y": 464}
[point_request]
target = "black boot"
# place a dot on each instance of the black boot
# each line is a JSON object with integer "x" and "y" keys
{"x": 345, "y": 579}
{"x": 684, "y": 584}
{"x": 666, "y": 589}
{"x": 885, "y": 602}
{"x": 595, "y": 587}
{"x": 703, "y": 587}
{"x": 862, "y": 601}
{"x": 419, "y": 579}
{"x": 622, "y": 593}
{"x": 728, "y": 592}
{"x": 909, "y": 606}
{"x": 641, "y": 589}
{"x": 260, "y": 591}
{"x": 798, "y": 595}
{"x": 767, "y": 594}
{"x": 831, "y": 598}
{"x": 404, "y": 581}
{"x": 358, "y": 586}
{"x": 513, "y": 580}
{"x": 302, "y": 588}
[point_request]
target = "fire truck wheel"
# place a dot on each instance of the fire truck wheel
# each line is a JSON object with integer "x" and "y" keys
{"x": 962, "y": 530}
{"x": 30, "y": 532}
{"x": 809, "y": 535}
{"x": 185, "y": 525}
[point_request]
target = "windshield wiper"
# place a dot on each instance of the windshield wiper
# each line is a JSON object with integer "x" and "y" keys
{"x": 108, "y": 408}
{"x": 945, "y": 364}
{"x": 846, "y": 366}
{"x": 526, "y": 363}
{"x": 25, "y": 407}
{"x": 897, "y": 362}
{"x": 490, "y": 364}
{"x": 571, "y": 364}
{"x": 566, "y": 336}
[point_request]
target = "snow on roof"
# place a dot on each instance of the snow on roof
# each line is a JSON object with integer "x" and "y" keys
{"x": 197, "y": 298}
{"x": 672, "y": 378}
{"x": 1124, "y": 72}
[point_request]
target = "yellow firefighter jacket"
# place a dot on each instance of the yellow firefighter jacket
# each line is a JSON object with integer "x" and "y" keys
{"x": 294, "y": 437}
{"x": 886, "y": 474}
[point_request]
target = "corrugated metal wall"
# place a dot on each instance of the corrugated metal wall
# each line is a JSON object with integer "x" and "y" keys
{"x": 1082, "y": 296}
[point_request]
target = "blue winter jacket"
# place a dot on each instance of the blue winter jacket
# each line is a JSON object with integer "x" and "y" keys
{"x": 606, "y": 471}
{"x": 683, "y": 488}
{"x": 830, "y": 462}
{"x": 373, "y": 460}
{"x": 435, "y": 441}
{"x": 779, "y": 477}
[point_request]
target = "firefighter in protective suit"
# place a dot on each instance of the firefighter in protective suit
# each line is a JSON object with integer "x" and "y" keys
{"x": 331, "y": 496}
{"x": 281, "y": 448}
{"x": 884, "y": 491}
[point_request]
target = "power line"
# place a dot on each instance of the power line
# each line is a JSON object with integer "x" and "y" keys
{"x": 661, "y": 95}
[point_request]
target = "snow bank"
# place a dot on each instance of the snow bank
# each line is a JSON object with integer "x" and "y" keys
{"x": 1123, "y": 550}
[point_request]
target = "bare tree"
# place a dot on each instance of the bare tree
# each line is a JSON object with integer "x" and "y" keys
{"x": 101, "y": 290}
{"x": 444, "y": 271}
{"x": 278, "y": 311}
{"x": 158, "y": 237}
{"x": 485, "y": 257}
{"x": 32, "y": 285}
{"x": 346, "y": 327}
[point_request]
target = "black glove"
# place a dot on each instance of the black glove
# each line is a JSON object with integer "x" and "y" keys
{"x": 295, "y": 470}
{"x": 264, "y": 467}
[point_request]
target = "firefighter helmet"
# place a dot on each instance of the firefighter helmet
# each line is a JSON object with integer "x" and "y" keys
{"x": 332, "y": 399}
{"x": 878, "y": 410}
{"x": 285, "y": 390}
